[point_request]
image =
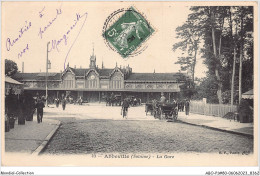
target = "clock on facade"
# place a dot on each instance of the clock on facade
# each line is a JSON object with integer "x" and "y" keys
{"x": 92, "y": 77}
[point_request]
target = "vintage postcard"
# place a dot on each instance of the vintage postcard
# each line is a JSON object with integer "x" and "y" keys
{"x": 129, "y": 84}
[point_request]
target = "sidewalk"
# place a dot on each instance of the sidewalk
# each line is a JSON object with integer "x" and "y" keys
{"x": 218, "y": 123}
{"x": 32, "y": 137}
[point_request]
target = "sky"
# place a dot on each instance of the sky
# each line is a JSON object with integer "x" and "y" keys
{"x": 34, "y": 24}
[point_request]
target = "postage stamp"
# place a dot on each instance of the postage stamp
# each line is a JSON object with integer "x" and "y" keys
{"x": 128, "y": 32}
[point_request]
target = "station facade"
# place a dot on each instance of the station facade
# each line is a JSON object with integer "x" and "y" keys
{"x": 95, "y": 84}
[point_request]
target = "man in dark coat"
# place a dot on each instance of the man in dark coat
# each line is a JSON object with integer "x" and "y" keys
{"x": 187, "y": 107}
{"x": 63, "y": 103}
{"x": 39, "y": 105}
{"x": 125, "y": 107}
{"x": 22, "y": 109}
{"x": 30, "y": 106}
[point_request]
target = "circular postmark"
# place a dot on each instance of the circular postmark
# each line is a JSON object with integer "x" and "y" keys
{"x": 125, "y": 32}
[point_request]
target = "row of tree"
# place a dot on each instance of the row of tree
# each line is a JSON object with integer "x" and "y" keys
{"x": 223, "y": 36}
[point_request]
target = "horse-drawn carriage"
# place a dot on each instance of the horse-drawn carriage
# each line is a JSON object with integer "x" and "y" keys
{"x": 162, "y": 110}
{"x": 167, "y": 111}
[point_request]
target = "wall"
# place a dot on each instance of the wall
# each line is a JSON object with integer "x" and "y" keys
{"x": 116, "y": 81}
{"x": 92, "y": 80}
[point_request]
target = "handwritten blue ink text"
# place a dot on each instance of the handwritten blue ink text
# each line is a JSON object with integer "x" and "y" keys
{"x": 12, "y": 42}
{"x": 20, "y": 54}
{"x": 55, "y": 43}
{"x": 44, "y": 29}
{"x": 40, "y": 13}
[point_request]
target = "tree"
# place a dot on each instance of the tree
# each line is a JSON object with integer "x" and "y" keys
{"x": 10, "y": 67}
{"x": 222, "y": 43}
{"x": 187, "y": 89}
{"x": 189, "y": 34}
{"x": 206, "y": 88}
{"x": 223, "y": 35}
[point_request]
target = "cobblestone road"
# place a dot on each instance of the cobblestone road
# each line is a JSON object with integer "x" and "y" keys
{"x": 89, "y": 133}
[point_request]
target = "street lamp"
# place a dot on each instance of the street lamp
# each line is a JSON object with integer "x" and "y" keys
{"x": 48, "y": 66}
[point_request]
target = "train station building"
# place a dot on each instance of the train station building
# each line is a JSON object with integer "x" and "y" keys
{"x": 95, "y": 84}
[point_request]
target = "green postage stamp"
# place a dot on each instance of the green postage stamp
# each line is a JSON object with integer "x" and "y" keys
{"x": 128, "y": 32}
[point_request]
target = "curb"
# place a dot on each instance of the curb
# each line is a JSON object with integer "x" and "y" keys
{"x": 218, "y": 129}
{"x": 46, "y": 141}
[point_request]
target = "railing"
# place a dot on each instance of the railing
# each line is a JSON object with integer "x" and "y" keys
{"x": 219, "y": 110}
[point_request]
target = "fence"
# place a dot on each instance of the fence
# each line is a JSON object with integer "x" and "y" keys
{"x": 219, "y": 110}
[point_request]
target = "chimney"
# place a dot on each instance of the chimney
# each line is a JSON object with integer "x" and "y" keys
{"x": 40, "y": 70}
{"x": 22, "y": 67}
{"x": 80, "y": 67}
{"x": 75, "y": 66}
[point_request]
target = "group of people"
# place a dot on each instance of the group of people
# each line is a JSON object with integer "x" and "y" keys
{"x": 180, "y": 104}
{"x": 57, "y": 102}
{"x": 23, "y": 107}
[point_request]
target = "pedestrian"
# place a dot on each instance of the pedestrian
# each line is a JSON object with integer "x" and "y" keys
{"x": 179, "y": 104}
{"x": 21, "y": 109}
{"x": 39, "y": 106}
{"x": 163, "y": 99}
{"x": 63, "y": 103}
{"x": 57, "y": 102}
{"x": 187, "y": 107}
{"x": 30, "y": 106}
{"x": 125, "y": 106}
{"x": 80, "y": 100}
{"x": 182, "y": 105}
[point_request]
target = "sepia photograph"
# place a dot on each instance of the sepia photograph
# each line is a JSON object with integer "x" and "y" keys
{"x": 130, "y": 84}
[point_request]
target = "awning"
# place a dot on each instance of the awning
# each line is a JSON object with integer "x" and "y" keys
{"x": 104, "y": 90}
{"x": 16, "y": 86}
{"x": 249, "y": 94}
{"x": 11, "y": 81}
